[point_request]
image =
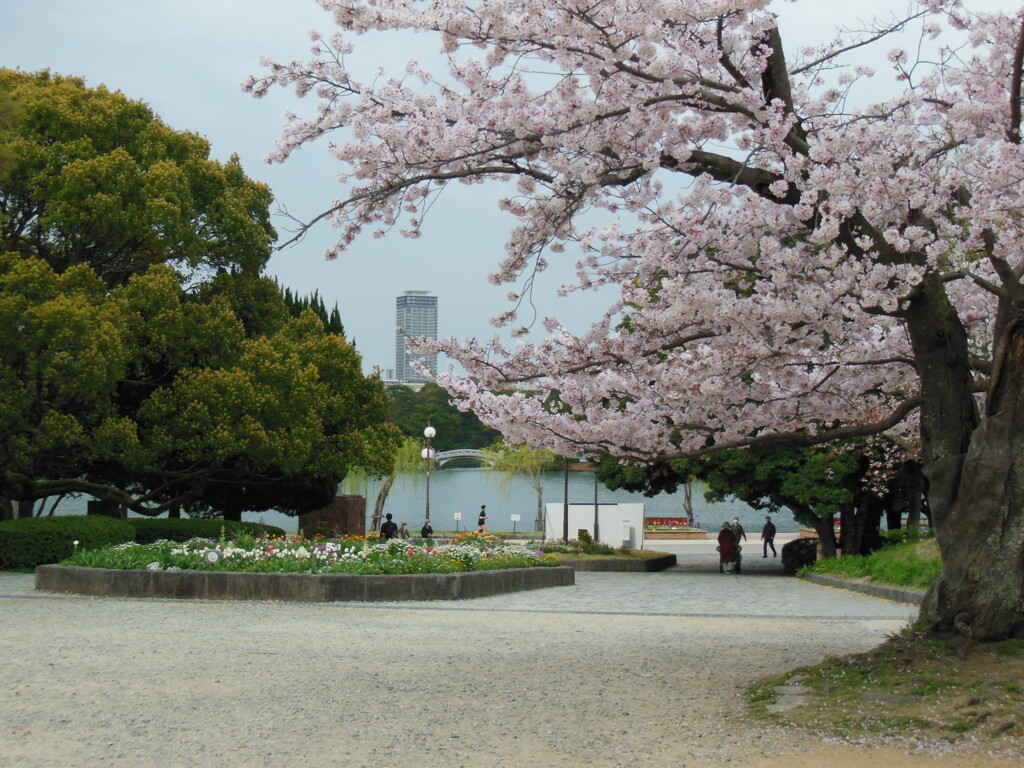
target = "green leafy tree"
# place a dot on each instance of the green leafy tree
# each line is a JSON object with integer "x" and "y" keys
{"x": 9, "y": 118}
{"x": 118, "y": 381}
{"x": 299, "y": 304}
{"x": 143, "y": 396}
{"x": 814, "y": 484}
{"x": 98, "y": 179}
{"x": 257, "y": 301}
{"x": 412, "y": 410}
{"x": 63, "y": 353}
{"x": 278, "y": 428}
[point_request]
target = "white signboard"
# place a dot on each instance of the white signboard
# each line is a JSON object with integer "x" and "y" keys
{"x": 458, "y": 515}
{"x": 515, "y": 518}
{"x": 619, "y": 524}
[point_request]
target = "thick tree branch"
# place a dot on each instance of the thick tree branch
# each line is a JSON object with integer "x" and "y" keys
{"x": 1013, "y": 132}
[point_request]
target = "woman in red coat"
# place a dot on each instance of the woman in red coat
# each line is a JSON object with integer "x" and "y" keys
{"x": 726, "y": 547}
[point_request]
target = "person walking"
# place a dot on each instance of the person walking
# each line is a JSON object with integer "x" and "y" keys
{"x": 737, "y": 529}
{"x": 768, "y": 537}
{"x": 388, "y": 529}
{"x": 727, "y": 554}
{"x": 741, "y": 535}
{"x": 481, "y": 521}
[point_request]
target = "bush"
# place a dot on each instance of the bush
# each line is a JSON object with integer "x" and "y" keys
{"x": 590, "y": 547}
{"x": 910, "y": 533}
{"x": 798, "y": 553}
{"x": 31, "y": 541}
{"x": 150, "y": 529}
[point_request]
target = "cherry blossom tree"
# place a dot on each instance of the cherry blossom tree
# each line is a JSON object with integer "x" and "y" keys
{"x": 791, "y": 263}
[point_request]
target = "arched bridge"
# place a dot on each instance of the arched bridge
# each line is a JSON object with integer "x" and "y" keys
{"x": 460, "y": 453}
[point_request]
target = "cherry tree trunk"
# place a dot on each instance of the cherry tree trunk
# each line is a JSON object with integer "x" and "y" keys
{"x": 975, "y": 473}
{"x": 977, "y": 510}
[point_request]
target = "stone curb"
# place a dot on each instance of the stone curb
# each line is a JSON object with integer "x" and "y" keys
{"x": 899, "y": 594}
{"x": 633, "y": 565}
{"x": 303, "y": 587}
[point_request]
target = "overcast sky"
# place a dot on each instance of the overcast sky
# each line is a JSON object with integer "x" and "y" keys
{"x": 187, "y": 58}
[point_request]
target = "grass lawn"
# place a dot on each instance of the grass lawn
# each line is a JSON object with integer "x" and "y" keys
{"x": 912, "y": 686}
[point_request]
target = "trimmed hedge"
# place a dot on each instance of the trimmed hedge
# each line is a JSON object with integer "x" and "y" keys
{"x": 150, "y": 529}
{"x": 31, "y": 541}
{"x": 798, "y": 553}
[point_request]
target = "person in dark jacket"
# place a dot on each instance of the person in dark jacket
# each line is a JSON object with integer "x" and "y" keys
{"x": 427, "y": 530}
{"x": 768, "y": 537}
{"x": 388, "y": 529}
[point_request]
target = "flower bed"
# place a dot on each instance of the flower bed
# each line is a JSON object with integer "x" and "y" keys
{"x": 357, "y": 555}
{"x": 669, "y": 525}
{"x": 353, "y": 569}
{"x": 584, "y": 545}
{"x": 677, "y": 522}
{"x": 671, "y": 528}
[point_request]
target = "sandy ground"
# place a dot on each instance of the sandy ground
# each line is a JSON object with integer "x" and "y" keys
{"x": 112, "y": 682}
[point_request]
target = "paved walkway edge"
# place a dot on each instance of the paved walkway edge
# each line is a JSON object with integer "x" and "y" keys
{"x": 302, "y": 587}
{"x": 899, "y": 594}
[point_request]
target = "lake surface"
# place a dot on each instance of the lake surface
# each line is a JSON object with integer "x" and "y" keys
{"x": 453, "y": 490}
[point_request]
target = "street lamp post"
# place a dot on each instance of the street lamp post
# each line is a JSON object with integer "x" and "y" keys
{"x": 427, "y": 455}
{"x": 565, "y": 506}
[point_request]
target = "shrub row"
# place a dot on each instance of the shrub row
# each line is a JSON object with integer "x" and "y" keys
{"x": 28, "y": 542}
{"x": 150, "y": 529}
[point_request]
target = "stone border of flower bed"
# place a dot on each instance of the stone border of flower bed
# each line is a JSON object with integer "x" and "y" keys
{"x": 300, "y": 587}
{"x": 612, "y": 563}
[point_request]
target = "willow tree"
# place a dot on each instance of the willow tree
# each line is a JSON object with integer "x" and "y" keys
{"x": 407, "y": 460}
{"x": 525, "y": 464}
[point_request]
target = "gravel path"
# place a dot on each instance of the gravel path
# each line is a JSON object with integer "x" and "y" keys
{"x": 622, "y": 669}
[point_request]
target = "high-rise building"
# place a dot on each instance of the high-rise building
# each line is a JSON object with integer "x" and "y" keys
{"x": 415, "y": 315}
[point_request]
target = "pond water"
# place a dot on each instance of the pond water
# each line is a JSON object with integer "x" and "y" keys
{"x": 465, "y": 490}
